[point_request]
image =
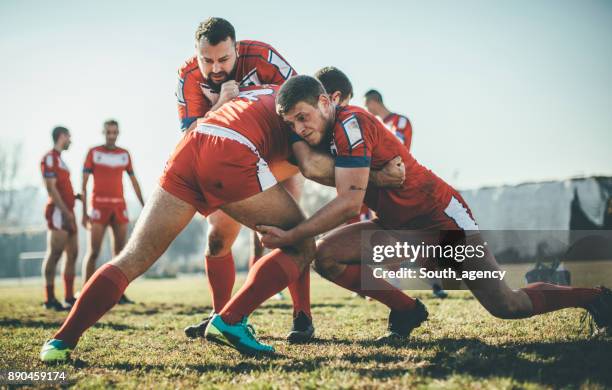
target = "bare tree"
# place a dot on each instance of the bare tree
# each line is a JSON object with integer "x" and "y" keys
{"x": 10, "y": 164}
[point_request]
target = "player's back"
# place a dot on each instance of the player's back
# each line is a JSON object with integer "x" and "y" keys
{"x": 253, "y": 115}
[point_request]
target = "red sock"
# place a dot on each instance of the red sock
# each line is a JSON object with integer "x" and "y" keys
{"x": 300, "y": 293}
{"x": 49, "y": 293}
{"x": 221, "y": 273}
{"x": 68, "y": 286}
{"x": 547, "y": 297}
{"x": 380, "y": 290}
{"x": 271, "y": 274}
{"x": 101, "y": 292}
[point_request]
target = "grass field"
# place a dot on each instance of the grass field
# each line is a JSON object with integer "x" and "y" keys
{"x": 461, "y": 346}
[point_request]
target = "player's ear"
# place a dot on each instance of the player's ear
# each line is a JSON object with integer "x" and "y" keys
{"x": 336, "y": 97}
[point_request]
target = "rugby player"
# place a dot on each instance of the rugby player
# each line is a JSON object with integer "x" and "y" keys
{"x": 59, "y": 213}
{"x": 396, "y": 123}
{"x": 224, "y": 163}
{"x": 359, "y": 142}
{"x": 340, "y": 90}
{"x": 206, "y": 81}
{"x": 107, "y": 163}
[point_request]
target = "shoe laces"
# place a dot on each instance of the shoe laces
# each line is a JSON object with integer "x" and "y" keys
{"x": 249, "y": 329}
{"x": 587, "y": 321}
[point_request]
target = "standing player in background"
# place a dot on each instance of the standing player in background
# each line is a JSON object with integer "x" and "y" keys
{"x": 59, "y": 212}
{"x": 206, "y": 81}
{"x": 107, "y": 163}
{"x": 396, "y": 123}
{"x": 340, "y": 90}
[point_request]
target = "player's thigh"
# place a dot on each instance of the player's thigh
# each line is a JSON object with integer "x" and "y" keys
{"x": 290, "y": 176}
{"x": 343, "y": 245}
{"x": 162, "y": 219}
{"x": 119, "y": 231}
{"x": 295, "y": 185}
{"x": 96, "y": 236}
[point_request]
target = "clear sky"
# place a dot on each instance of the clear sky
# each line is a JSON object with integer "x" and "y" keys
{"x": 497, "y": 91}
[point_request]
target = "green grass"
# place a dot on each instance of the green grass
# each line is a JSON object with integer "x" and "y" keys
{"x": 461, "y": 346}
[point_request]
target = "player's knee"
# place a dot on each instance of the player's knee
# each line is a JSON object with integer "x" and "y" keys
{"x": 505, "y": 309}
{"x": 217, "y": 243}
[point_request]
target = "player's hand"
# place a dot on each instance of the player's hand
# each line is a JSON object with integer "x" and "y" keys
{"x": 229, "y": 90}
{"x": 273, "y": 237}
{"x": 70, "y": 223}
{"x": 393, "y": 174}
{"x": 85, "y": 221}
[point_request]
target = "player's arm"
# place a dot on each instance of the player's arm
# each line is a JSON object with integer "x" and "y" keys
{"x": 318, "y": 166}
{"x": 85, "y": 219}
{"x": 136, "y": 187}
{"x": 191, "y": 102}
{"x": 129, "y": 169}
{"x": 351, "y": 184}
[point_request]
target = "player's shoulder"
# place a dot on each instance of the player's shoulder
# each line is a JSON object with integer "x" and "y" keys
{"x": 49, "y": 157}
{"x": 358, "y": 114}
{"x": 190, "y": 68}
{"x": 401, "y": 120}
{"x": 254, "y": 48}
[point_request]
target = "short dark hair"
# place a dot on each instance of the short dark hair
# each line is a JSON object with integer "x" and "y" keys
{"x": 298, "y": 89}
{"x": 111, "y": 122}
{"x": 57, "y": 131}
{"x": 215, "y": 30}
{"x": 333, "y": 79}
{"x": 374, "y": 95}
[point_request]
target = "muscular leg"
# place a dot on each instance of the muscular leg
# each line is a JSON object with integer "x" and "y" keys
{"x": 72, "y": 252}
{"x": 279, "y": 268}
{"x": 503, "y": 302}
{"x": 95, "y": 239}
{"x": 219, "y": 262}
{"x": 56, "y": 242}
{"x": 162, "y": 219}
{"x": 338, "y": 260}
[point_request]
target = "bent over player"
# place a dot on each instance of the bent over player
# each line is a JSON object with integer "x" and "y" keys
{"x": 59, "y": 213}
{"x": 359, "y": 142}
{"x": 206, "y": 81}
{"x": 107, "y": 163}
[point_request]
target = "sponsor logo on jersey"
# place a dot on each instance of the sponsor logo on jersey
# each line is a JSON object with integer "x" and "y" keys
{"x": 113, "y": 160}
{"x": 352, "y": 131}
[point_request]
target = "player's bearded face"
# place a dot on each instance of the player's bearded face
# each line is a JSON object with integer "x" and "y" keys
{"x": 217, "y": 62}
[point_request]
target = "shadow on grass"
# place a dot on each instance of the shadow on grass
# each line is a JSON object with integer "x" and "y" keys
{"x": 561, "y": 364}
{"x": 15, "y": 323}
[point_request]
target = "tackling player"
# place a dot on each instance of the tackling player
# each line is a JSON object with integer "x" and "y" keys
{"x": 59, "y": 213}
{"x": 396, "y": 123}
{"x": 107, "y": 163}
{"x": 223, "y": 164}
{"x": 340, "y": 90}
{"x": 358, "y": 142}
{"x": 207, "y": 80}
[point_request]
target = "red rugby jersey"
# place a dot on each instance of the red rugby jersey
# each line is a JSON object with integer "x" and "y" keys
{"x": 107, "y": 166}
{"x": 359, "y": 139}
{"x": 401, "y": 127}
{"x": 52, "y": 166}
{"x": 258, "y": 63}
{"x": 253, "y": 114}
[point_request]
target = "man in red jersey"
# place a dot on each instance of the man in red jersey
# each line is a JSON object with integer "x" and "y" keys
{"x": 107, "y": 163}
{"x": 340, "y": 91}
{"x": 59, "y": 213}
{"x": 359, "y": 142}
{"x": 396, "y": 123}
{"x": 224, "y": 163}
{"x": 206, "y": 81}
